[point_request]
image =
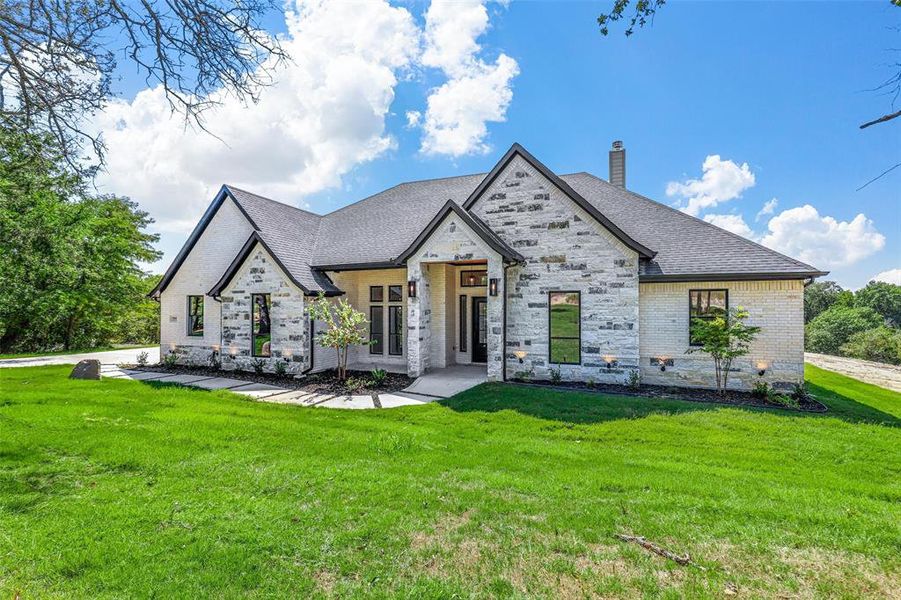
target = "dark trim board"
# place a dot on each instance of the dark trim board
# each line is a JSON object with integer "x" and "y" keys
{"x": 701, "y": 277}
{"x": 564, "y": 187}
{"x": 364, "y": 266}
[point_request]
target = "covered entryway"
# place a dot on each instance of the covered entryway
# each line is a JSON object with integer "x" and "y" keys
{"x": 447, "y": 382}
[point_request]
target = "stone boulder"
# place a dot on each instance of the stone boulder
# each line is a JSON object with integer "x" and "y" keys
{"x": 86, "y": 369}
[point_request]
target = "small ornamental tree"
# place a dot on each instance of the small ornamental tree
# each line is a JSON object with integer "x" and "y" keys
{"x": 724, "y": 339}
{"x": 346, "y": 327}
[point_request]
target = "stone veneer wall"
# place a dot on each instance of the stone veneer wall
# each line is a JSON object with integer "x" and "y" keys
{"x": 565, "y": 250}
{"x": 453, "y": 240}
{"x": 290, "y": 336}
{"x": 775, "y": 306}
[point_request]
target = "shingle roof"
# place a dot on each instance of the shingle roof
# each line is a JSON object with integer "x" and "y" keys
{"x": 377, "y": 230}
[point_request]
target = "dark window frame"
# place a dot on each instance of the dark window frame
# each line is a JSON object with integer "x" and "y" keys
{"x": 380, "y": 333}
{"x": 482, "y": 282}
{"x": 381, "y": 290}
{"x": 399, "y": 288}
{"x": 395, "y": 309}
{"x": 253, "y": 332}
{"x": 463, "y": 323}
{"x": 691, "y": 293}
{"x": 551, "y": 338}
{"x": 191, "y": 315}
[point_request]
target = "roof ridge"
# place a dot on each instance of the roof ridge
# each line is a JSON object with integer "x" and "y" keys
{"x": 702, "y": 221}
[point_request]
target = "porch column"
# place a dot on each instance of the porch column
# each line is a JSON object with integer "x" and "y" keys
{"x": 418, "y": 320}
{"x": 496, "y": 350}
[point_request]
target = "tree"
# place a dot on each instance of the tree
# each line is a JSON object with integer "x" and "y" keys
{"x": 827, "y": 332}
{"x": 68, "y": 260}
{"x": 345, "y": 327}
{"x": 884, "y": 298}
{"x": 57, "y": 59}
{"x": 881, "y": 344}
{"x": 820, "y": 296}
{"x": 140, "y": 323}
{"x": 724, "y": 339}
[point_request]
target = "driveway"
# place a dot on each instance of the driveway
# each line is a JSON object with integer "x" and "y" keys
{"x": 887, "y": 376}
{"x": 112, "y": 357}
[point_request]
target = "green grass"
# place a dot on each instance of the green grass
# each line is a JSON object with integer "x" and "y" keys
{"x": 117, "y": 488}
{"x": 89, "y": 350}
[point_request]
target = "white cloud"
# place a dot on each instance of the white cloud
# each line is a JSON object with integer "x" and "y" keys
{"x": 414, "y": 117}
{"x": 768, "y": 209}
{"x": 822, "y": 241}
{"x": 734, "y": 223}
{"x": 476, "y": 92}
{"x": 890, "y": 276}
{"x": 721, "y": 181}
{"x": 324, "y": 115}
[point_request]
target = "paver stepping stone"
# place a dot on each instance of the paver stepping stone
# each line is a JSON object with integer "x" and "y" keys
{"x": 402, "y": 399}
{"x": 183, "y": 379}
{"x": 292, "y": 397}
{"x": 352, "y": 402}
{"x": 142, "y": 375}
{"x": 219, "y": 383}
{"x": 258, "y": 390}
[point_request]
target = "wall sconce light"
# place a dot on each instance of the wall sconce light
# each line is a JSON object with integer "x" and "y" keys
{"x": 216, "y": 348}
{"x": 171, "y": 346}
{"x": 287, "y": 354}
{"x": 411, "y": 289}
{"x": 761, "y": 368}
{"x": 662, "y": 361}
{"x": 520, "y": 354}
{"x": 233, "y": 350}
{"x": 611, "y": 361}
{"x": 492, "y": 287}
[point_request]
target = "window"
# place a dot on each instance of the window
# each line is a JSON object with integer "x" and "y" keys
{"x": 395, "y": 293}
{"x": 395, "y": 330}
{"x": 565, "y": 327}
{"x": 462, "y": 323}
{"x": 376, "y": 293}
{"x": 707, "y": 305}
{"x": 261, "y": 323}
{"x": 376, "y": 329}
{"x": 195, "y": 315}
{"x": 473, "y": 278}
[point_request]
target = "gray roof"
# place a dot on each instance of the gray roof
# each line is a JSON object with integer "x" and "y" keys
{"x": 378, "y": 229}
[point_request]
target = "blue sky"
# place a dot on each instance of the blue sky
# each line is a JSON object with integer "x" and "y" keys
{"x": 778, "y": 87}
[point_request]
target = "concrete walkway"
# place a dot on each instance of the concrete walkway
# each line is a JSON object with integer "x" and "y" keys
{"x": 444, "y": 383}
{"x": 269, "y": 393}
{"x": 112, "y": 357}
{"x": 887, "y": 376}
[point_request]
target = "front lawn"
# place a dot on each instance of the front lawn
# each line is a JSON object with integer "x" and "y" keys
{"x": 119, "y": 488}
{"x": 86, "y": 351}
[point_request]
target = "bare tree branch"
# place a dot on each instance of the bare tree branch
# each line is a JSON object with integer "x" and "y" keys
{"x": 56, "y": 61}
{"x": 882, "y": 119}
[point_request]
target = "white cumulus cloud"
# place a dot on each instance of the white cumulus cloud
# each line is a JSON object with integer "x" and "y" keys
{"x": 721, "y": 181}
{"x": 734, "y": 223}
{"x": 822, "y": 241}
{"x": 890, "y": 276}
{"x": 767, "y": 209}
{"x": 476, "y": 92}
{"x": 324, "y": 114}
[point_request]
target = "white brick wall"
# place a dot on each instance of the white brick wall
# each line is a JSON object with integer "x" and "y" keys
{"x": 213, "y": 252}
{"x": 775, "y": 306}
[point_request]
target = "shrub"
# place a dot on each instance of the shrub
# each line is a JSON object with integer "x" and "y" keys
{"x": 783, "y": 400}
{"x": 354, "y": 384}
{"x": 258, "y": 366}
{"x": 556, "y": 375}
{"x": 378, "y": 376}
{"x": 801, "y": 393}
{"x": 591, "y": 383}
{"x": 829, "y": 331}
{"x": 634, "y": 381}
{"x": 213, "y": 360}
{"x": 143, "y": 358}
{"x": 761, "y": 390}
{"x": 724, "y": 339}
{"x": 171, "y": 359}
{"x": 881, "y": 344}
{"x": 281, "y": 367}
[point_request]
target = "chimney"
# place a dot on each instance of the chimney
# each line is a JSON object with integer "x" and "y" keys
{"x": 618, "y": 164}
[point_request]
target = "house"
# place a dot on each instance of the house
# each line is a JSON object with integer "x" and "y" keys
{"x": 520, "y": 270}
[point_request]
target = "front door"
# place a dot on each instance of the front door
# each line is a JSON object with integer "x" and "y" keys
{"x": 480, "y": 329}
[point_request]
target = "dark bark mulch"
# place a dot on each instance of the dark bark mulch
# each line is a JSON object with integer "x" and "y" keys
{"x": 324, "y": 382}
{"x": 731, "y": 397}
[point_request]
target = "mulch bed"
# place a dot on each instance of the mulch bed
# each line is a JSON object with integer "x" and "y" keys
{"x": 730, "y": 397}
{"x": 324, "y": 382}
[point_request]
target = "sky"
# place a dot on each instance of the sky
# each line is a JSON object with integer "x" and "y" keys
{"x": 743, "y": 114}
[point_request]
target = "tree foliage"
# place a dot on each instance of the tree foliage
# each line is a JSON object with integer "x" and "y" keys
{"x": 724, "y": 339}
{"x": 820, "y": 296}
{"x": 881, "y": 344}
{"x": 68, "y": 260}
{"x": 140, "y": 323}
{"x": 345, "y": 327}
{"x": 831, "y": 329}
{"x": 57, "y": 58}
{"x": 884, "y": 298}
